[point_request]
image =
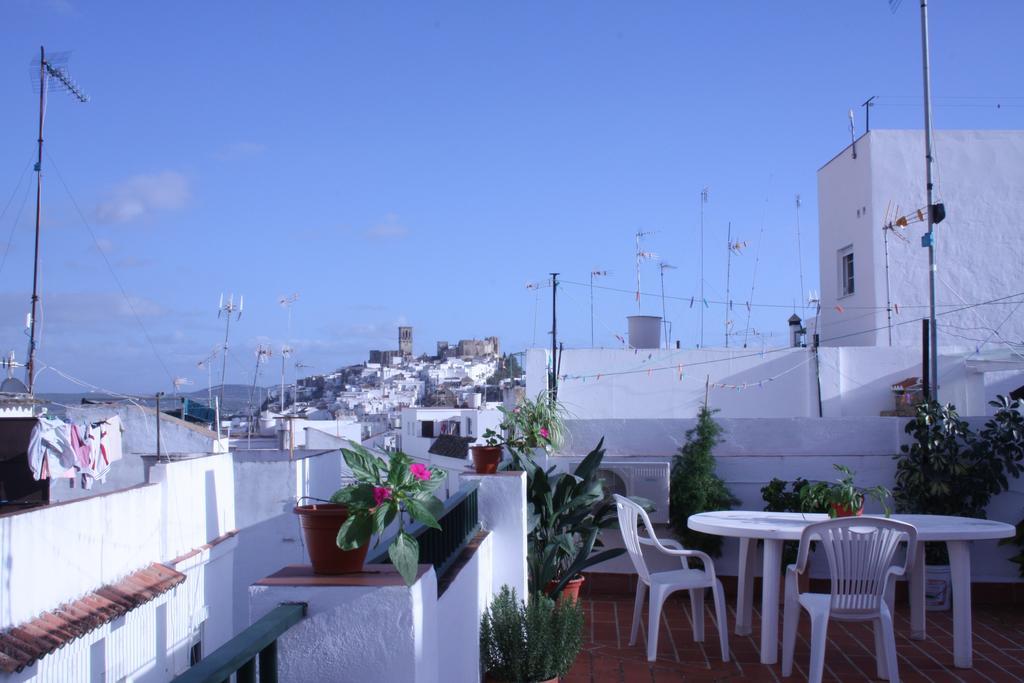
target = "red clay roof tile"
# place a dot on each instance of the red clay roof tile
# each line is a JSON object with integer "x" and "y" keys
{"x": 23, "y": 644}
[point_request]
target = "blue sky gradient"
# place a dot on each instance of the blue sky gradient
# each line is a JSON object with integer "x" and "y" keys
{"x": 420, "y": 163}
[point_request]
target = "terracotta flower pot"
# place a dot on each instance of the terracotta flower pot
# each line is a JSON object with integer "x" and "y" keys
{"x": 486, "y": 458}
{"x": 571, "y": 591}
{"x": 320, "y": 525}
{"x": 845, "y": 511}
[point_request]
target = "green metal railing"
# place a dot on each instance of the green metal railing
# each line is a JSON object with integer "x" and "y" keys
{"x": 251, "y": 652}
{"x": 441, "y": 547}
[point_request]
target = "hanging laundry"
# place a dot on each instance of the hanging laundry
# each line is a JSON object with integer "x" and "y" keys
{"x": 110, "y": 444}
{"x": 48, "y": 449}
{"x": 706, "y": 304}
{"x": 840, "y": 309}
{"x": 691, "y": 302}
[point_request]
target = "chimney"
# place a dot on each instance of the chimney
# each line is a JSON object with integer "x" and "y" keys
{"x": 796, "y": 331}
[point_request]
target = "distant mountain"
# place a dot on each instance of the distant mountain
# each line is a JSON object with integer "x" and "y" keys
{"x": 236, "y": 398}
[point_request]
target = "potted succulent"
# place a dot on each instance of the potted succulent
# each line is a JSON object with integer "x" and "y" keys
{"x": 529, "y": 643}
{"x": 383, "y": 491}
{"x": 487, "y": 456}
{"x": 841, "y": 498}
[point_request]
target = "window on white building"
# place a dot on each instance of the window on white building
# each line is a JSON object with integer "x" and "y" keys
{"x": 846, "y": 287}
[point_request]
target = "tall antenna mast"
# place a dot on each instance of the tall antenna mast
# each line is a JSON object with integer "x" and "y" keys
{"x": 731, "y": 248}
{"x": 641, "y": 256}
{"x": 593, "y": 274}
{"x": 61, "y": 81}
{"x": 227, "y": 309}
{"x": 703, "y": 201}
{"x": 799, "y": 255}
{"x": 664, "y": 316}
{"x": 286, "y": 349}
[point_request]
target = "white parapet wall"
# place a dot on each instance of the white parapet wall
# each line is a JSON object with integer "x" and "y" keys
{"x": 502, "y": 509}
{"x": 356, "y": 629}
{"x": 754, "y": 451}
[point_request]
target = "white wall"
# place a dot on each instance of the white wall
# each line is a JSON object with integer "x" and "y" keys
{"x": 979, "y": 178}
{"x": 754, "y": 451}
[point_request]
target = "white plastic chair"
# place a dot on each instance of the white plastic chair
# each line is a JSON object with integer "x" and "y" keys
{"x": 663, "y": 584}
{"x": 860, "y": 553}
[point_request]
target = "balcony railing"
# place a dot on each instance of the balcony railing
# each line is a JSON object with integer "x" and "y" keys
{"x": 252, "y": 654}
{"x": 441, "y": 547}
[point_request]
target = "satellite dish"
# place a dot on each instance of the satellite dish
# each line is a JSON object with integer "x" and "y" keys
{"x": 13, "y": 386}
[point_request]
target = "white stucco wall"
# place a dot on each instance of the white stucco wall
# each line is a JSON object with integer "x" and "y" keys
{"x": 199, "y": 501}
{"x": 501, "y": 506}
{"x": 754, "y": 451}
{"x": 979, "y": 179}
{"x": 357, "y": 633}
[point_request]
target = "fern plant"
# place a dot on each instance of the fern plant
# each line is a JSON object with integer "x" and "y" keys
{"x": 529, "y": 642}
{"x": 695, "y": 487}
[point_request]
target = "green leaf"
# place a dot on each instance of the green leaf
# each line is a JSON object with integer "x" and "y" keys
{"x": 421, "y": 512}
{"x": 356, "y": 495}
{"x": 355, "y": 532}
{"x": 405, "y": 555}
{"x": 362, "y": 464}
{"x": 384, "y": 515}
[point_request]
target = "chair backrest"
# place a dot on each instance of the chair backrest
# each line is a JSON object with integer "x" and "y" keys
{"x": 629, "y": 514}
{"x": 860, "y": 553}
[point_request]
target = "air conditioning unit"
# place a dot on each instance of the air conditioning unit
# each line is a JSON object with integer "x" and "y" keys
{"x": 639, "y": 478}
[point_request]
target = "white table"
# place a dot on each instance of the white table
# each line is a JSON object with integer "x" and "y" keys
{"x": 775, "y": 527}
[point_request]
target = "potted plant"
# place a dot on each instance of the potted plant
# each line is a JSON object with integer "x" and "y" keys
{"x": 841, "y": 498}
{"x": 487, "y": 456}
{"x": 529, "y": 643}
{"x": 948, "y": 470}
{"x": 566, "y": 512}
{"x": 383, "y": 491}
{"x": 695, "y": 487}
{"x": 534, "y": 424}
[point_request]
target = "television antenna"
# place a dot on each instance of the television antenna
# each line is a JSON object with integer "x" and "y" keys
{"x": 662, "y": 267}
{"x": 703, "y": 201}
{"x": 53, "y": 75}
{"x": 208, "y": 364}
{"x": 286, "y": 349}
{"x": 642, "y": 255}
{"x": 179, "y": 382}
{"x": 228, "y": 309}
{"x": 731, "y": 248}
{"x": 593, "y": 274}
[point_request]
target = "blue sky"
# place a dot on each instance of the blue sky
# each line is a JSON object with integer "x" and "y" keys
{"x": 420, "y": 163}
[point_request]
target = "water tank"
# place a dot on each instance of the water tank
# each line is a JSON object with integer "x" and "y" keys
{"x": 644, "y": 331}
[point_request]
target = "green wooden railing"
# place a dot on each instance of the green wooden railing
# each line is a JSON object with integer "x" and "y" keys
{"x": 251, "y": 653}
{"x": 441, "y": 547}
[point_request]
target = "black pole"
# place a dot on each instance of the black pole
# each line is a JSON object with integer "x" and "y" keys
{"x": 31, "y": 365}
{"x": 553, "y": 383}
{"x": 158, "y": 395}
{"x": 925, "y": 363}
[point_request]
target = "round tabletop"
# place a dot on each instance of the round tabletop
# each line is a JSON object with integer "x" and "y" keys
{"x": 788, "y": 526}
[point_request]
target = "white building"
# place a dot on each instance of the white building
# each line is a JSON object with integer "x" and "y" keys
{"x": 979, "y": 177}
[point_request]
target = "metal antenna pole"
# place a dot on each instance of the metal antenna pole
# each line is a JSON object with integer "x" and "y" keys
{"x": 227, "y": 309}
{"x": 703, "y": 201}
{"x": 664, "y": 316}
{"x": 30, "y": 367}
{"x": 800, "y": 257}
{"x": 554, "y": 336}
{"x": 728, "y": 269}
{"x": 930, "y": 236}
{"x": 591, "y": 309}
{"x": 63, "y": 81}
{"x": 888, "y": 296}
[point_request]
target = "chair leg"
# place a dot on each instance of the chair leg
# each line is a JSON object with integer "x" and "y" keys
{"x": 790, "y": 623}
{"x": 889, "y": 641}
{"x": 721, "y": 616}
{"x": 819, "y": 639}
{"x": 697, "y": 610}
{"x": 881, "y": 669}
{"x": 638, "y": 608}
{"x": 658, "y": 595}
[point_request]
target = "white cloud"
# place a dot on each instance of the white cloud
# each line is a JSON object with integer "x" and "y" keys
{"x": 142, "y": 195}
{"x": 387, "y": 229}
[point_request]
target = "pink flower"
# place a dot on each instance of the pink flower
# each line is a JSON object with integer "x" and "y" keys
{"x": 380, "y": 494}
{"x": 544, "y": 432}
{"x": 420, "y": 471}
{"x": 515, "y": 410}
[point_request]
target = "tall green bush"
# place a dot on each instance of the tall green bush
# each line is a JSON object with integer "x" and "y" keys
{"x": 694, "y": 485}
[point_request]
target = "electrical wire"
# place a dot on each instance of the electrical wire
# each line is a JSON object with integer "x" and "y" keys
{"x": 110, "y": 267}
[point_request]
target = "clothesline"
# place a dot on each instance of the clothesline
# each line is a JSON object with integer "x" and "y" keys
{"x": 82, "y": 452}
